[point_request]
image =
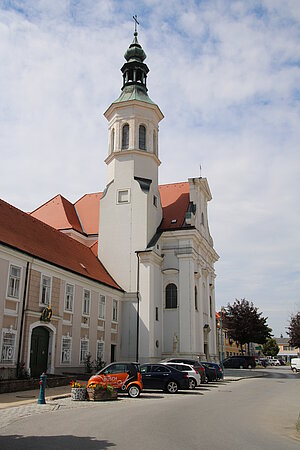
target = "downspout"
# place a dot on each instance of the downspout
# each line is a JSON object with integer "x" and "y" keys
{"x": 22, "y": 317}
{"x": 138, "y": 307}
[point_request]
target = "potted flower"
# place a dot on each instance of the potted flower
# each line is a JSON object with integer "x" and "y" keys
{"x": 78, "y": 391}
{"x": 101, "y": 392}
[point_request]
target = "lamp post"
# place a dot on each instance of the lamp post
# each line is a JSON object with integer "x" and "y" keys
{"x": 221, "y": 328}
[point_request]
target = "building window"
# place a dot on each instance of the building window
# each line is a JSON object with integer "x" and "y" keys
{"x": 154, "y": 143}
{"x": 171, "y": 296}
{"x": 84, "y": 349}
{"x": 156, "y": 313}
{"x": 100, "y": 351}
{"x": 210, "y": 306}
{"x": 142, "y": 137}
{"x": 202, "y": 219}
{"x": 155, "y": 201}
{"x": 14, "y": 282}
{"x": 125, "y": 137}
{"x": 86, "y": 302}
{"x": 196, "y": 299}
{"x": 8, "y": 346}
{"x": 66, "y": 349}
{"x": 115, "y": 310}
{"x": 112, "y": 140}
{"x": 123, "y": 196}
{"x": 101, "y": 308}
{"x": 69, "y": 297}
{"x": 45, "y": 290}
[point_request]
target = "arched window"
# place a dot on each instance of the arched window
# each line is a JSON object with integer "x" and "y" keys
{"x": 112, "y": 142}
{"x": 125, "y": 137}
{"x": 196, "y": 299}
{"x": 171, "y": 296}
{"x": 142, "y": 137}
{"x": 154, "y": 143}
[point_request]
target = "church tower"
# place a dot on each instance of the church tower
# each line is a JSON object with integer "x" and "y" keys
{"x": 130, "y": 209}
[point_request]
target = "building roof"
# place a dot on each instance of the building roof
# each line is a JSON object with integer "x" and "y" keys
{"x": 23, "y": 232}
{"x": 83, "y": 216}
{"x": 59, "y": 213}
{"x": 87, "y": 208}
{"x": 175, "y": 201}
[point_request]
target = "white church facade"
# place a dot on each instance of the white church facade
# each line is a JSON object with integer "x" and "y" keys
{"x": 152, "y": 242}
{"x": 164, "y": 262}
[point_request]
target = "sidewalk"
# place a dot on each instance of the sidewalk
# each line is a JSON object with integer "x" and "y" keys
{"x": 26, "y": 397}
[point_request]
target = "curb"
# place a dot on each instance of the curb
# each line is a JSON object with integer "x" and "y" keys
{"x": 57, "y": 397}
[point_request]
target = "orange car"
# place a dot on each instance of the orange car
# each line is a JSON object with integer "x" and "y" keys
{"x": 124, "y": 376}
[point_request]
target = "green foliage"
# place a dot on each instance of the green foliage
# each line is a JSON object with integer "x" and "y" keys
{"x": 99, "y": 364}
{"x": 270, "y": 348}
{"x": 294, "y": 330}
{"x": 245, "y": 324}
{"x": 88, "y": 363}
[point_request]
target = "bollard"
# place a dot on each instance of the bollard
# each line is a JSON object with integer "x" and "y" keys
{"x": 41, "y": 400}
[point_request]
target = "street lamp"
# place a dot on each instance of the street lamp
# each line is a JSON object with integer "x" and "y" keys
{"x": 221, "y": 328}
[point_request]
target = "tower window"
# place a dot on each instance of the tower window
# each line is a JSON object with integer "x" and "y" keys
{"x": 142, "y": 137}
{"x": 125, "y": 137}
{"x": 171, "y": 296}
{"x": 196, "y": 299}
{"x": 202, "y": 219}
{"x": 123, "y": 196}
{"x": 155, "y": 200}
{"x": 112, "y": 142}
{"x": 154, "y": 143}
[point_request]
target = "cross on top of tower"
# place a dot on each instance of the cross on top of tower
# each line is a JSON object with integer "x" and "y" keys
{"x": 136, "y": 23}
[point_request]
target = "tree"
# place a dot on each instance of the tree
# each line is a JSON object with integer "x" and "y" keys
{"x": 270, "y": 348}
{"x": 245, "y": 324}
{"x": 294, "y": 330}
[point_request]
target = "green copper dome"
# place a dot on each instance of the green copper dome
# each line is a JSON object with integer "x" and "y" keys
{"x": 135, "y": 73}
{"x": 135, "y": 51}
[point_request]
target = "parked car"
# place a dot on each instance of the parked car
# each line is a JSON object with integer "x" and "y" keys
{"x": 191, "y": 362}
{"x": 219, "y": 371}
{"x": 160, "y": 376}
{"x": 273, "y": 361}
{"x": 194, "y": 375}
{"x": 240, "y": 362}
{"x": 123, "y": 376}
{"x": 295, "y": 364}
{"x": 210, "y": 371}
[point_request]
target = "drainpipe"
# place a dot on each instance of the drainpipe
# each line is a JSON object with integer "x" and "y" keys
{"x": 22, "y": 317}
{"x": 138, "y": 307}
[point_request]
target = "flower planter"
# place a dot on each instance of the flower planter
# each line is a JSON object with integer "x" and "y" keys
{"x": 100, "y": 395}
{"x": 78, "y": 394}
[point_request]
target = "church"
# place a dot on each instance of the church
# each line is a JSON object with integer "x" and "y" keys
{"x": 151, "y": 242}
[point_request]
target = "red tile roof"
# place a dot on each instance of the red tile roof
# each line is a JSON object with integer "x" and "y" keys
{"x": 28, "y": 234}
{"x": 175, "y": 201}
{"x": 87, "y": 208}
{"x": 83, "y": 216}
{"x": 59, "y": 213}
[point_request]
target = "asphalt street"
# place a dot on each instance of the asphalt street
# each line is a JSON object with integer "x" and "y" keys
{"x": 257, "y": 413}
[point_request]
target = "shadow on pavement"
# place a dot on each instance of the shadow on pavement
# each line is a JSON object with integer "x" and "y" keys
{"x": 20, "y": 442}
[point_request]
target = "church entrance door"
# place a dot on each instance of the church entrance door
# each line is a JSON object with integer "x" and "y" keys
{"x": 39, "y": 351}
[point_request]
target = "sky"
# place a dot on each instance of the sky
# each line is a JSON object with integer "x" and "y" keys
{"x": 226, "y": 75}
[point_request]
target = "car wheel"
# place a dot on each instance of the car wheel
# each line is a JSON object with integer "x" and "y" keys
{"x": 249, "y": 366}
{"x": 172, "y": 387}
{"x": 241, "y": 366}
{"x": 134, "y": 391}
{"x": 294, "y": 369}
{"x": 192, "y": 383}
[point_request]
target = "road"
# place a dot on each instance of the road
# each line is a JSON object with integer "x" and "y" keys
{"x": 257, "y": 413}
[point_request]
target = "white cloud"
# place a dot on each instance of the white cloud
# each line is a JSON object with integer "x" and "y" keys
{"x": 225, "y": 74}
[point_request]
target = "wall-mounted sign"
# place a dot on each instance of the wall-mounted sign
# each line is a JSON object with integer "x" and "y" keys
{"x": 46, "y": 314}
